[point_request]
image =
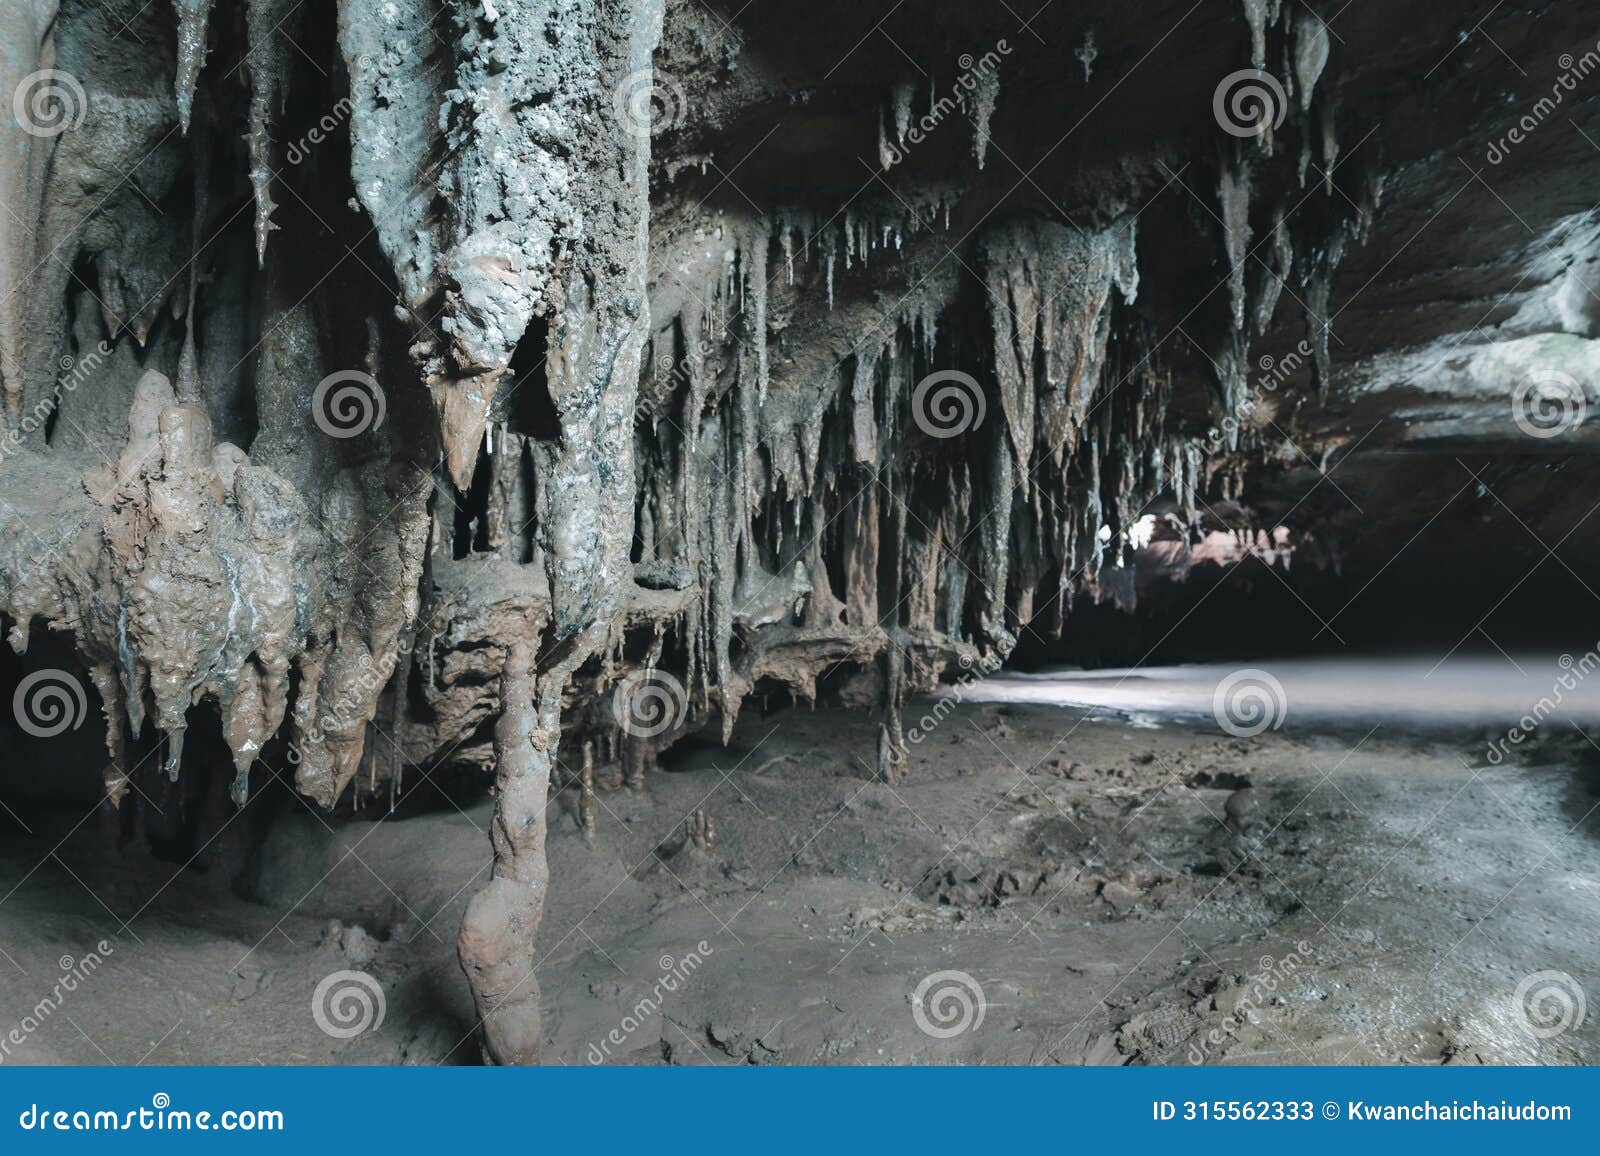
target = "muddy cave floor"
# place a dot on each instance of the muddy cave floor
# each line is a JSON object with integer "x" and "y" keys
{"x": 1394, "y": 888}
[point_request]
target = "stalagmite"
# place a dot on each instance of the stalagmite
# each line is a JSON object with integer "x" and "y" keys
{"x": 635, "y": 761}
{"x": 496, "y": 939}
{"x": 586, "y": 802}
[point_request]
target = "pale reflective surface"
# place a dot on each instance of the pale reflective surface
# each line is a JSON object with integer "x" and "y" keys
{"x": 1422, "y": 693}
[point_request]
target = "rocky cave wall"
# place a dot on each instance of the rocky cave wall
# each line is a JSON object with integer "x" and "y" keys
{"x": 526, "y": 385}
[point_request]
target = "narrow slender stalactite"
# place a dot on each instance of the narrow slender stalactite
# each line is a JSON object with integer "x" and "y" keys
{"x": 192, "y": 18}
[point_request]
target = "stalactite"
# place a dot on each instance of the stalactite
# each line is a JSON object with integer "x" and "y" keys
{"x": 267, "y": 65}
{"x": 190, "y": 390}
{"x": 1318, "y": 294}
{"x": 863, "y": 407}
{"x": 1330, "y": 143}
{"x": 1257, "y": 16}
{"x": 1050, "y": 288}
{"x": 1273, "y": 279}
{"x": 1087, "y": 52}
{"x": 981, "y": 103}
{"x": 1310, "y": 54}
{"x": 192, "y": 17}
{"x": 753, "y": 263}
{"x": 830, "y": 256}
{"x": 862, "y": 553}
{"x": 994, "y": 548}
{"x": 900, "y": 98}
{"x": 1233, "y": 196}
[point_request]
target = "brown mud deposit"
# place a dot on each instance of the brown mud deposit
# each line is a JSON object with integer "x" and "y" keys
{"x": 414, "y": 404}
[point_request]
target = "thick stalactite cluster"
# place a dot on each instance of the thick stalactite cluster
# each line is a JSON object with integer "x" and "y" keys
{"x": 393, "y": 377}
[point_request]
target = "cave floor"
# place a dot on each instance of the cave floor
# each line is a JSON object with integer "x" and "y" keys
{"x": 1380, "y": 900}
